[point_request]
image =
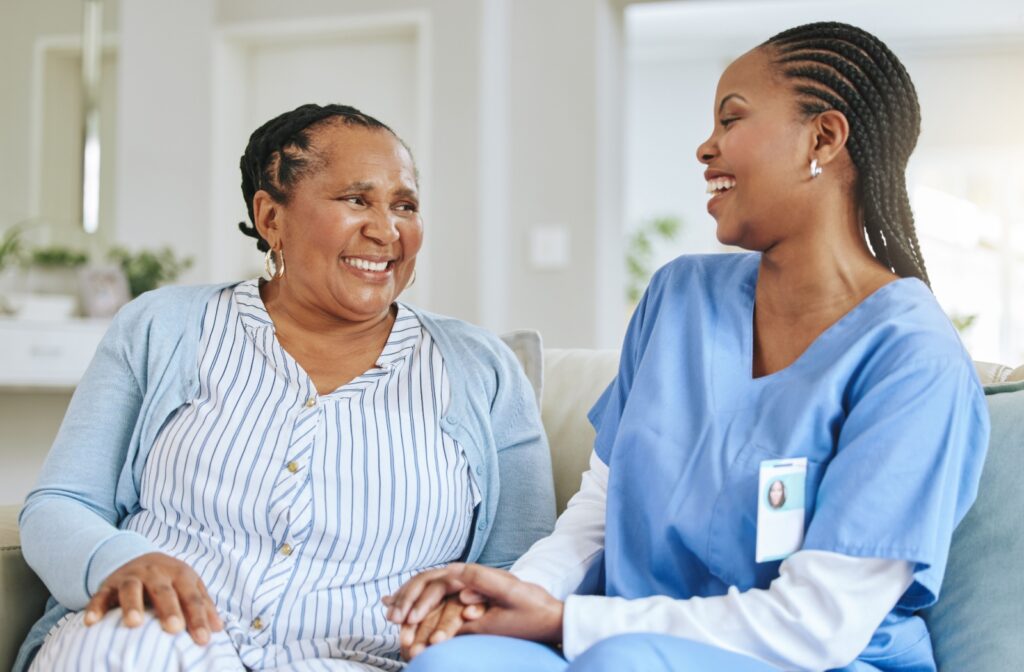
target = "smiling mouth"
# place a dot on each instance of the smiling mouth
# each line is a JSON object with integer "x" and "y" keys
{"x": 720, "y": 185}
{"x": 367, "y": 265}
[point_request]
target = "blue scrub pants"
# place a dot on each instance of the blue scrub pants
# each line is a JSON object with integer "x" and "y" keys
{"x": 622, "y": 653}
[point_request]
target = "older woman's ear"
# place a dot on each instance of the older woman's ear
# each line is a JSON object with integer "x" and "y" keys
{"x": 267, "y": 215}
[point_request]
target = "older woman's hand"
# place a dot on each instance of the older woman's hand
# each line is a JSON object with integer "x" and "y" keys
{"x": 174, "y": 590}
{"x": 441, "y": 624}
{"x": 514, "y": 608}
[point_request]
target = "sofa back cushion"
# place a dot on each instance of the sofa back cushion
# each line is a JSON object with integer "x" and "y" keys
{"x": 573, "y": 380}
{"x": 978, "y": 622}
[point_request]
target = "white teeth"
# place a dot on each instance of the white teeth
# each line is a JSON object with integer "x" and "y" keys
{"x": 364, "y": 265}
{"x": 720, "y": 184}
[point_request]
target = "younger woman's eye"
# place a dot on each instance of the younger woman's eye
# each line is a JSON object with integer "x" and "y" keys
{"x": 728, "y": 120}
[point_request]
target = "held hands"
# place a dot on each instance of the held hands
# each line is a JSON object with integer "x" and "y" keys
{"x": 472, "y": 599}
{"x": 176, "y": 593}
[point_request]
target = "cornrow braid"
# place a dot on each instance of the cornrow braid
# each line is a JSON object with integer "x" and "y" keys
{"x": 836, "y": 66}
{"x": 279, "y": 154}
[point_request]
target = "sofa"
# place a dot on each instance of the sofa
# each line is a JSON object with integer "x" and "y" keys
{"x": 978, "y": 623}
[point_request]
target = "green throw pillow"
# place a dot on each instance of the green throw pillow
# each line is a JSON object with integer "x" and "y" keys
{"x": 978, "y": 622}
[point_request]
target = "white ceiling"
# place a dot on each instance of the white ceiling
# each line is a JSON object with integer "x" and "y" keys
{"x": 690, "y": 27}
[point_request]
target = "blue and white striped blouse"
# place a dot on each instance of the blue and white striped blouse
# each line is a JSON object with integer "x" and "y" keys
{"x": 300, "y": 511}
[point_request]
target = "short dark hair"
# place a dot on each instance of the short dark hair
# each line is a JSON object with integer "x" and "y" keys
{"x": 280, "y": 153}
{"x": 841, "y": 67}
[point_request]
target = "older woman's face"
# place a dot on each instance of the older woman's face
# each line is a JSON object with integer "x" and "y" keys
{"x": 351, "y": 229}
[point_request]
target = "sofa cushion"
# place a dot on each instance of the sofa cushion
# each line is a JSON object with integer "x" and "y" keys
{"x": 22, "y": 594}
{"x": 574, "y": 380}
{"x": 978, "y": 620}
{"x": 528, "y": 348}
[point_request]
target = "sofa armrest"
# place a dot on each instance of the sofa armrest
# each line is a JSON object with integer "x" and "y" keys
{"x": 22, "y": 594}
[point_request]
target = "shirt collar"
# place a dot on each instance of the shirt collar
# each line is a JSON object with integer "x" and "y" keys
{"x": 405, "y": 336}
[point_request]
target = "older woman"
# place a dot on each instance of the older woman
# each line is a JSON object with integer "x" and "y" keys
{"x": 819, "y": 361}
{"x": 245, "y": 470}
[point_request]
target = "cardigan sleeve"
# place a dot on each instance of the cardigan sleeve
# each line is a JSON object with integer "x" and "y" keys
{"x": 69, "y": 522}
{"x": 526, "y": 501}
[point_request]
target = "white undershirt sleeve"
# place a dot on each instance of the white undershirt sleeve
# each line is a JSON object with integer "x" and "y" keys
{"x": 819, "y": 614}
{"x": 560, "y": 561}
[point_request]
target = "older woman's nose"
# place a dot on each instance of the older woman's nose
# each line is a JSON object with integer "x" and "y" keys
{"x": 381, "y": 227}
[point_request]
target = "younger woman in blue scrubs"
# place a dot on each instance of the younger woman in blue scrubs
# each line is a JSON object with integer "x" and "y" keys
{"x": 821, "y": 360}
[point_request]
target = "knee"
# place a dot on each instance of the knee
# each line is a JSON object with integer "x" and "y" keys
{"x": 109, "y": 645}
{"x": 645, "y": 652}
{"x": 460, "y": 654}
{"x": 621, "y": 653}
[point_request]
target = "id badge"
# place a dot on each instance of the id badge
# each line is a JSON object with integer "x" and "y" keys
{"x": 780, "y": 508}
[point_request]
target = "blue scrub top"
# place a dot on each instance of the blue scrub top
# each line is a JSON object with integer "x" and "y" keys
{"x": 885, "y": 405}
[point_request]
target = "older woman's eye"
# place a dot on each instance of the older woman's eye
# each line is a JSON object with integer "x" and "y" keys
{"x": 354, "y": 200}
{"x": 408, "y": 207}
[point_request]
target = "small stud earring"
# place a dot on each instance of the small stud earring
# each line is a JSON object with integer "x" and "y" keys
{"x": 815, "y": 168}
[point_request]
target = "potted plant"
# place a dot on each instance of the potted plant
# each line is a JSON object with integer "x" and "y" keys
{"x": 640, "y": 253}
{"x": 11, "y": 251}
{"x": 148, "y": 269}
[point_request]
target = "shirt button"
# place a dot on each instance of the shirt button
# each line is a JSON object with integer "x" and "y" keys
{"x": 482, "y": 526}
{"x": 451, "y": 419}
{"x": 311, "y": 402}
{"x": 257, "y": 623}
{"x": 479, "y": 471}
{"x": 286, "y": 549}
{"x": 293, "y": 467}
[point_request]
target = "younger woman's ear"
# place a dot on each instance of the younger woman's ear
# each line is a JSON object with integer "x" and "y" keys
{"x": 831, "y": 131}
{"x": 267, "y": 215}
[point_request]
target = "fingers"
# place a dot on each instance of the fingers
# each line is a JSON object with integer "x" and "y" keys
{"x": 428, "y": 600}
{"x": 424, "y": 631}
{"x": 467, "y": 596}
{"x": 473, "y": 612}
{"x": 166, "y": 606}
{"x": 488, "y": 583}
{"x": 449, "y": 623}
{"x": 402, "y": 601}
{"x": 211, "y": 610}
{"x": 196, "y": 608}
{"x": 98, "y": 606}
{"x": 129, "y": 596}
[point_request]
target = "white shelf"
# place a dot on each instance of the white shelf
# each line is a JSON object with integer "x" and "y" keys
{"x": 38, "y": 355}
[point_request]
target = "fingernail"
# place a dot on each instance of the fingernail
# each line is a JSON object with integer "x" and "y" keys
{"x": 416, "y": 650}
{"x": 438, "y": 637}
{"x": 91, "y": 617}
{"x": 173, "y": 623}
{"x": 133, "y": 618}
{"x": 202, "y": 636}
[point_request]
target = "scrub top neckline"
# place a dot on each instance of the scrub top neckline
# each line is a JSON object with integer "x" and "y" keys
{"x": 830, "y": 332}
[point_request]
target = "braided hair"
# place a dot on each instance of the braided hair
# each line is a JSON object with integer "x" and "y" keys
{"x": 840, "y": 67}
{"x": 280, "y": 153}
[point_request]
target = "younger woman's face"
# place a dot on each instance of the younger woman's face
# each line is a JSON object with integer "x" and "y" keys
{"x": 775, "y": 494}
{"x": 757, "y": 156}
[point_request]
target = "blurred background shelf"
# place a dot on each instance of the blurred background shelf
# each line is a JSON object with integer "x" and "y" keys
{"x": 46, "y": 356}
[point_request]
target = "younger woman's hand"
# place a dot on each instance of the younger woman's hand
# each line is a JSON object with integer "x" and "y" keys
{"x": 515, "y": 608}
{"x": 174, "y": 590}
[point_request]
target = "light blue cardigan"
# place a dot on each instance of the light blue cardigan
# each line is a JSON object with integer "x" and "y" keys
{"x": 146, "y": 367}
